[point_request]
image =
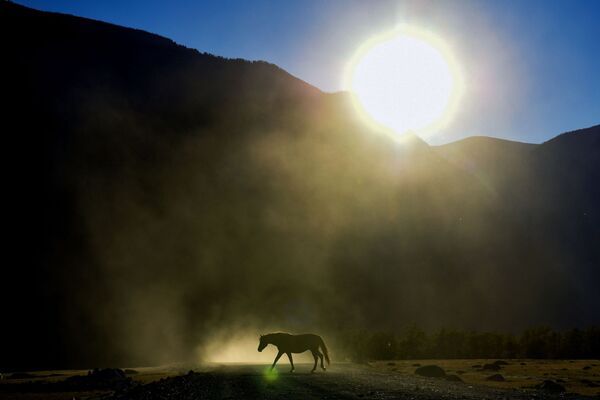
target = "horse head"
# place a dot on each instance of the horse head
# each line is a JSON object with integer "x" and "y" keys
{"x": 262, "y": 343}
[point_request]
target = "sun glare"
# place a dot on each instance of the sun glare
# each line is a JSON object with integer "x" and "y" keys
{"x": 405, "y": 80}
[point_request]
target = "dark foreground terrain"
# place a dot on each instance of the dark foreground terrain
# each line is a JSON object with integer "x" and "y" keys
{"x": 342, "y": 381}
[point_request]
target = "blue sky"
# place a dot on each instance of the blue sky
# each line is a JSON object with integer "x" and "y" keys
{"x": 531, "y": 66}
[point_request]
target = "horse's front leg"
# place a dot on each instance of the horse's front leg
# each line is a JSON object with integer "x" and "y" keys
{"x": 291, "y": 361}
{"x": 276, "y": 359}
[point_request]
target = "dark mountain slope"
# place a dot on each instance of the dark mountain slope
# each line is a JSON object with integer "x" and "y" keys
{"x": 495, "y": 162}
{"x": 484, "y": 152}
{"x": 566, "y": 197}
{"x": 96, "y": 109}
{"x": 160, "y": 198}
{"x": 549, "y": 194}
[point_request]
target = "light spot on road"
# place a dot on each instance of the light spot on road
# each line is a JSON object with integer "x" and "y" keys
{"x": 270, "y": 375}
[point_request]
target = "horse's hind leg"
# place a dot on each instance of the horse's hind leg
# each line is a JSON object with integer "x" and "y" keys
{"x": 321, "y": 357}
{"x": 314, "y": 353}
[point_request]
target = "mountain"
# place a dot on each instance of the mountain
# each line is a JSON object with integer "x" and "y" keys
{"x": 160, "y": 199}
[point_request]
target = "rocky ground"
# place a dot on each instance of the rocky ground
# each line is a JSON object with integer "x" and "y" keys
{"x": 341, "y": 381}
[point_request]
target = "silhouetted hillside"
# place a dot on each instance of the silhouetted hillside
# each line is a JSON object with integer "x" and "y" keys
{"x": 160, "y": 198}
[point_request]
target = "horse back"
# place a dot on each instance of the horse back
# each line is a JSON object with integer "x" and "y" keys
{"x": 299, "y": 343}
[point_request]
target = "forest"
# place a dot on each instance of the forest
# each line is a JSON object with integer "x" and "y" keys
{"x": 413, "y": 342}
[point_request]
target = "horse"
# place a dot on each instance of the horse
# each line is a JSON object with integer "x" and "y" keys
{"x": 289, "y": 344}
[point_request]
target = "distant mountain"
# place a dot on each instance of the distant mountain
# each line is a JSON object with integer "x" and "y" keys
{"x": 159, "y": 198}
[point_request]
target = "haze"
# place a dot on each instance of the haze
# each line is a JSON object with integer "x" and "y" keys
{"x": 165, "y": 202}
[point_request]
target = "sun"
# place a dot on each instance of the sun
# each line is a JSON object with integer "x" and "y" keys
{"x": 405, "y": 80}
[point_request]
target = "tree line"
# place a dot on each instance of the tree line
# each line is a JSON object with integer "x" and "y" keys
{"x": 415, "y": 343}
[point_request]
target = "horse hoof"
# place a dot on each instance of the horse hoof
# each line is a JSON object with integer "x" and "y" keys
{"x": 324, "y": 369}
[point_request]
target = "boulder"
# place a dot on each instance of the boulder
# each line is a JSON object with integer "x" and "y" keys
{"x": 21, "y": 375}
{"x": 106, "y": 374}
{"x": 589, "y": 383}
{"x": 495, "y": 378}
{"x": 100, "y": 378}
{"x": 431, "y": 371}
{"x": 453, "y": 378}
{"x": 130, "y": 372}
{"x": 551, "y": 386}
{"x": 490, "y": 367}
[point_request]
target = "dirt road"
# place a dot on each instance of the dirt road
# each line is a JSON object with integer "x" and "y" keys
{"x": 341, "y": 381}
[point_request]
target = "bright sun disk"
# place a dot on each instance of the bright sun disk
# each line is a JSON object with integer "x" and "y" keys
{"x": 406, "y": 80}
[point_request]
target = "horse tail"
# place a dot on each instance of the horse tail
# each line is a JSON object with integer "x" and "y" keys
{"x": 325, "y": 352}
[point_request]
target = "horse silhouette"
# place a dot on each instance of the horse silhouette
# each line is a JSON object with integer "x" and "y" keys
{"x": 289, "y": 344}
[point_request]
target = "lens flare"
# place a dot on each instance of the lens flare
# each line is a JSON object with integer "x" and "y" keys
{"x": 270, "y": 375}
{"x": 404, "y": 80}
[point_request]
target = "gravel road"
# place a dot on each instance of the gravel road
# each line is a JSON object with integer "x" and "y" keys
{"x": 341, "y": 381}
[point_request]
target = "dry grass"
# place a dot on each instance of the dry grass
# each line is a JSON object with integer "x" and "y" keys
{"x": 518, "y": 373}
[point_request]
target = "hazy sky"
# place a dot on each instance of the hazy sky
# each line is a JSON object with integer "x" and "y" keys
{"x": 531, "y": 67}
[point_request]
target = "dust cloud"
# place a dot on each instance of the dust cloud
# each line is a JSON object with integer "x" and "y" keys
{"x": 198, "y": 245}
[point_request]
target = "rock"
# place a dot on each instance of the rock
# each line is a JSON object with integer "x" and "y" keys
{"x": 476, "y": 366}
{"x": 391, "y": 363}
{"x": 107, "y": 373}
{"x": 490, "y": 367}
{"x": 495, "y": 378}
{"x": 21, "y": 375}
{"x": 551, "y": 386}
{"x": 589, "y": 383}
{"x": 130, "y": 372}
{"x": 587, "y": 367}
{"x": 100, "y": 378}
{"x": 416, "y": 365}
{"x": 430, "y": 371}
{"x": 523, "y": 363}
{"x": 460, "y": 372}
{"x": 500, "y": 362}
{"x": 453, "y": 378}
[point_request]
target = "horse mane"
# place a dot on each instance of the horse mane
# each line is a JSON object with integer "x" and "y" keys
{"x": 274, "y": 334}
